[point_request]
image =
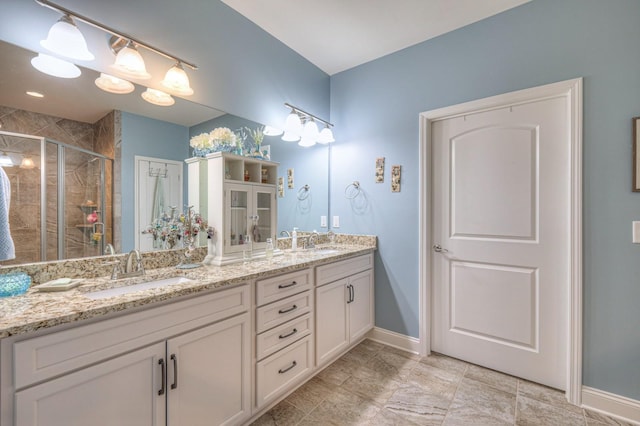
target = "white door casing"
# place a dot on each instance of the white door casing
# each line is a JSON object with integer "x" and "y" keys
{"x": 478, "y": 316}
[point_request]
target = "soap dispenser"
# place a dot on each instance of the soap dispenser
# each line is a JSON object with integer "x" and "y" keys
{"x": 294, "y": 239}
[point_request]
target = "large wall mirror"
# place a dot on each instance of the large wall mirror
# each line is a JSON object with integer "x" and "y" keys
{"x": 88, "y": 151}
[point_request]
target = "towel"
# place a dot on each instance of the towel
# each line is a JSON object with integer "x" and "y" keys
{"x": 7, "y": 249}
{"x": 157, "y": 209}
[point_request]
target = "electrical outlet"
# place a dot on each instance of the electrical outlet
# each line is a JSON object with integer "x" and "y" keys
{"x": 635, "y": 232}
{"x": 323, "y": 221}
{"x": 336, "y": 222}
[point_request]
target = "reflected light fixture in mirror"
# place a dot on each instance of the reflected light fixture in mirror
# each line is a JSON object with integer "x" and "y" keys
{"x": 55, "y": 67}
{"x": 27, "y": 163}
{"x": 5, "y": 160}
{"x": 308, "y": 135}
{"x": 272, "y": 131}
{"x": 157, "y": 97}
{"x": 65, "y": 39}
{"x": 112, "y": 84}
{"x": 176, "y": 81}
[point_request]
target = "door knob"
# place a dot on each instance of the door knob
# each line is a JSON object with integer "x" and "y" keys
{"x": 438, "y": 249}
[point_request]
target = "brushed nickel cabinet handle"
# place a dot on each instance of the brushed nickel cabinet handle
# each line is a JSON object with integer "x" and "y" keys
{"x": 282, "y": 371}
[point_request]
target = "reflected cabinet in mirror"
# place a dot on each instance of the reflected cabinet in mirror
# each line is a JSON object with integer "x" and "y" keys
{"x": 72, "y": 161}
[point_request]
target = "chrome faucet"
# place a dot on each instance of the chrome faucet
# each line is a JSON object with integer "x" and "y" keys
{"x": 285, "y": 234}
{"x": 311, "y": 240}
{"x": 131, "y": 269}
{"x": 109, "y": 250}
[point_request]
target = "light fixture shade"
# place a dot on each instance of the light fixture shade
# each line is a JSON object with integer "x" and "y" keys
{"x": 55, "y": 67}
{"x": 5, "y": 160}
{"x": 65, "y": 39}
{"x": 130, "y": 64}
{"x": 290, "y": 137}
{"x": 27, "y": 163}
{"x": 293, "y": 125}
{"x": 112, "y": 84}
{"x": 176, "y": 81}
{"x": 310, "y": 131}
{"x": 157, "y": 97}
{"x": 272, "y": 131}
{"x": 326, "y": 136}
{"x": 306, "y": 142}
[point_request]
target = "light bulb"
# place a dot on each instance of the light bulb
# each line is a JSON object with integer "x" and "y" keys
{"x": 177, "y": 81}
{"x": 129, "y": 63}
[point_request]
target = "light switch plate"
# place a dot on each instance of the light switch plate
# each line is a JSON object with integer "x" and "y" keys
{"x": 323, "y": 221}
{"x": 336, "y": 222}
{"x": 636, "y": 232}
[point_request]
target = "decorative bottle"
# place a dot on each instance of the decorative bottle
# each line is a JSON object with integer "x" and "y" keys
{"x": 268, "y": 250}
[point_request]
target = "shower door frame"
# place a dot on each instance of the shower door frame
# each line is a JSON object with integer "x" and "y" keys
{"x": 61, "y": 197}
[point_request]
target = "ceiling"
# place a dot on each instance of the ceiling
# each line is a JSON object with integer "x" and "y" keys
{"x": 336, "y": 35}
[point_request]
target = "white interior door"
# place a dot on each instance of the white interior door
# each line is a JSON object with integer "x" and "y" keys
{"x": 158, "y": 186}
{"x": 501, "y": 234}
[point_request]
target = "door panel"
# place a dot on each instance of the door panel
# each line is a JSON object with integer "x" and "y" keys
{"x": 501, "y": 214}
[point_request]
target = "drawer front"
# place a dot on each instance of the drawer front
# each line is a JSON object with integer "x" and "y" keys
{"x": 276, "y": 288}
{"x": 276, "y": 374}
{"x": 273, "y": 340}
{"x": 343, "y": 268}
{"x": 42, "y": 357}
{"x": 278, "y": 313}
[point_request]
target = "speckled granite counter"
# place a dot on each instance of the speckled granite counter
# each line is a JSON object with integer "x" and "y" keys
{"x": 38, "y": 310}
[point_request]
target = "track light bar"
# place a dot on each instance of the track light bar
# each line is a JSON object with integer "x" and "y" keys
{"x": 305, "y": 113}
{"x": 65, "y": 11}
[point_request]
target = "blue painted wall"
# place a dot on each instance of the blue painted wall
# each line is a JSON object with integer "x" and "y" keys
{"x": 311, "y": 167}
{"x": 375, "y": 108}
{"x": 150, "y": 138}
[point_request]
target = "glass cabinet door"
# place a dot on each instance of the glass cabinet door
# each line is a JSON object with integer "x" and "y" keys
{"x": 263, "y": 224}
{"x": 238, "y": 198}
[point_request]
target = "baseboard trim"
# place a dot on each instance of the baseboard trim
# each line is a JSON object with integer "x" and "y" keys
{"x": 397, "y": 340}
{"x": 613, "y": 405}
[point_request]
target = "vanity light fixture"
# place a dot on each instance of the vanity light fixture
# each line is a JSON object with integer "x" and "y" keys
{"x": 157, "y": 97}
{"x": 112, "y": 84}
{"x": 54, "y": 66}
{"x": 129, "y": 63}
{"x": 176, "y": 81}
{"x": 34, "y": 94}
{"x": 272, "y": 131}
{"x": 65, "y": 39}
{"x": 5, "y": 160}
{"x": 308, "y": 134}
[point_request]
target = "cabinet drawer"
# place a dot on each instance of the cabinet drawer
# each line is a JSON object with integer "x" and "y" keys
{"x": 343, "y": 268}
{"x": 277, "y": 313}
{"x": 275, "y": 288}
{"x": 53, "y": 354}
{"x": 281, "y": 370}
{"x": 273, "y": 340}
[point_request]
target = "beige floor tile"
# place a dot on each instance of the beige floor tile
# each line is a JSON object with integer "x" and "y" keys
{"x": 391, "y": 365}
{"x": 337, "y": 373}
{"x": 531, "y": 412}
{"x": 411, "y": 403}
{"x": 473, "y": 396}
{"x": 546, "y": 394}
{"x": 444, "y": 362}
{"x": 345, "y": 408}
{"x": 371, "y": 384}
{"x": 283, "y": 414}
{"x": 309, "y": 395}
{"x": 434, "y": 381}
{"x": 387, "y": 417}
{"x": 403, "y": 353}
{"x": 492, "y": 378}
{"x": 466, "y": 416}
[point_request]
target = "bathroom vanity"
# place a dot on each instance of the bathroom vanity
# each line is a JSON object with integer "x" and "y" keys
{"x": 221, "y": 347}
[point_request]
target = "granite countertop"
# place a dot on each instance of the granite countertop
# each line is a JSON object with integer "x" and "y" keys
{"x": 37, "y": 310}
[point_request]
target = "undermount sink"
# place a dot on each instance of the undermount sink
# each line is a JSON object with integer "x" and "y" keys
{"x": 118, "y": 291}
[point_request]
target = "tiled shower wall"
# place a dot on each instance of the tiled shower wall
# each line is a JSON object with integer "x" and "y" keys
{"x": 99, "y": 137}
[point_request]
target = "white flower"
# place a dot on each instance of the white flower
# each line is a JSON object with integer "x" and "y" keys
{"x": 222, "y": 136}
{"x": 203, "y": 140}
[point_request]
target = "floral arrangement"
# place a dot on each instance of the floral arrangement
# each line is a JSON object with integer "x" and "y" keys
{"x": 219, "y": 139}
{"x": 170, "y": 229}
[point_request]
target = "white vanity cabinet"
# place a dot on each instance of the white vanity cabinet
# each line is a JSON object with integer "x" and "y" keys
{"x": 185, "y": 363}
{"x": 284, "y": 334}
{"x": 344, "y": 305}
{"x": 241, "y": 201}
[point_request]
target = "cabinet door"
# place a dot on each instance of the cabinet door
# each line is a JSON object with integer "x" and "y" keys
{"x": 122, "y": 391}
{"x": 361, "y": 307}
{"x": 264, "y": 224}
{"x": 238, "y": 205}
{"x": 331, "y": 320}
{"x": 208, "y": 376}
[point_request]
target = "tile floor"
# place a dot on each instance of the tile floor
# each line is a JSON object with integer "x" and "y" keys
{"x": 374, "y": 384}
